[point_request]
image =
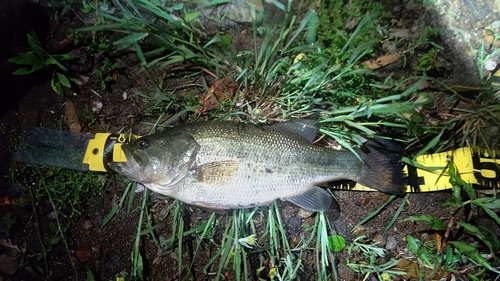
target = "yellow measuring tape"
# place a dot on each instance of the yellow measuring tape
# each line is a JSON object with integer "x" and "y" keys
{"x": 475, "y": 166}
{"x": 105, "y": 148}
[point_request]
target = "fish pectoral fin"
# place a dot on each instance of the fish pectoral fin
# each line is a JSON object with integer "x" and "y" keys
{"x": 316, "y": 199}
{"x": 210, "y": 208}
{"x": 217, "y": 172}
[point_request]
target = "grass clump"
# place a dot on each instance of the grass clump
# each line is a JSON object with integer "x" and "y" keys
{"x": 340, "y": 19}
{"x": 173, "y": 34}
{"x": 65, "y": 189}
{"x": 244, "y": 243}
{"x": 460, "y": 247}
{"x": 54, "y": 196}
{"x": 302, "y": 66}
{"x": 371, "y": 260}
{"x": 38, "y": 58}
{"x": 306, "y": 64}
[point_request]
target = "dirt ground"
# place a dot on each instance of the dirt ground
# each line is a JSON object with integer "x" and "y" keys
{"x": 106, "y": 251}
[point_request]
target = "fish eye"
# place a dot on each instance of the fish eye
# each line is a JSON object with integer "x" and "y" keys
{"x": 141, "y": 143}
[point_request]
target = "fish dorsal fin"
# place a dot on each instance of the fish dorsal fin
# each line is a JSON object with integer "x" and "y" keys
{"x": 217, "y": 172}
{"x": 304, "y": 128}
{"x": 316, "y": 199}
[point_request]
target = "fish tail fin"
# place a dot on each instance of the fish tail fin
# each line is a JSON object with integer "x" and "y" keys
{"x": 382, "y": 169}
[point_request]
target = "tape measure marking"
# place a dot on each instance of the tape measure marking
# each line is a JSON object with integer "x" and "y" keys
{"x": 486, "y": 168}
{"x": 414, "y": 180}
{"x": 474, "y": 166}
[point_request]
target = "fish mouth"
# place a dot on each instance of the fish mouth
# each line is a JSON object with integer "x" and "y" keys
{"x": 131, "y": 170}
{"x": 118, "y": 166}
{"x": 123, "y": 168}
{"x": 132, "y": 156}
{"x": 136, "y": 167}
{"x": 132, "y": 166}
{"x": 140, "y": 160}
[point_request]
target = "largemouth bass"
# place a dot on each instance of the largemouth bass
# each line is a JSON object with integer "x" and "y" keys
{"x": 231, "y": 165}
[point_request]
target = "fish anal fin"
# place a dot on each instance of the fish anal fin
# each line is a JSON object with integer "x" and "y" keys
{"x": 315, "y": 199}
{"x": 303, "y": 128}
{"x": 217, "y": 172}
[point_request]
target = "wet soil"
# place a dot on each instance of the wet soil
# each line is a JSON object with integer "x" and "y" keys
{"x": 104, "y": 252}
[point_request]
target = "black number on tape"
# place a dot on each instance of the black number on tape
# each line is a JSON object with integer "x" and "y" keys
{"x": 489, "y": 166}
{"x": 414, "y": 181}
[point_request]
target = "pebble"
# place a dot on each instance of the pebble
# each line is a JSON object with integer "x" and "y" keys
{"x": 9, "y": 264}
{"x": 359, "y": 230}
{"x": 87, "y": 225}
{"x": 495, "y": 24}
{"x": 304, "y": 213}
{"x": 294, "y": 225}
{"x": 345, "y": 272}
{"x": 392, "y": 243}
{"x": 380, "y": 239}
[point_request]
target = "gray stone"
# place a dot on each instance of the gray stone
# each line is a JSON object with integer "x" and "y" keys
{"x": 8, "y": 264}
{"x": 391, "y": 244}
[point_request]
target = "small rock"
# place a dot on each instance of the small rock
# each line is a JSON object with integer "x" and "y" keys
{"x": 389, "y": 46}
{"x": 345, "y": 272}
{"x": 9, "y": 264}
{"x": 96, "y": 106}
{"x": 392, "y": 243}
{"x": 381, "y": 239}
{"x": 87, "y": 225}
{"x": 304, "y": 213}
{"x": 294, "y": 225}
{"x": 238, "y": 11}
{"x": 495, "y": 24}
{"x": 359, "y": 230}
{"x": 53, "y": 215}
{"x": 84, "y": 254}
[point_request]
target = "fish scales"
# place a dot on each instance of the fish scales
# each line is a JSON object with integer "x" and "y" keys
{"x": 269, "y": 165}
{"x": 227, "y": 165}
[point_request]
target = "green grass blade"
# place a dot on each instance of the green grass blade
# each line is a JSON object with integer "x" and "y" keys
{"x": 398, "y": 212}
{"x": 374, "y": 213}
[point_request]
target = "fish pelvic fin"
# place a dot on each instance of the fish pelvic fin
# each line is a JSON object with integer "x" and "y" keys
{"x": 315, "y": 199}
{"x": 382, "y": 169}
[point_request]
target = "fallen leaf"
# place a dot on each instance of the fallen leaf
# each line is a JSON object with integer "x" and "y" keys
{"x": 414, "y": 271}
{"x": 221, "y": 90}
{"x": 380, "y": 61}
{"x": 298, "y": 58}
{"x": 439, "y": 240}
{"x": 464, "y": 89}
{"x": 65, "y": 43}
{"x": 84, "y": 254}
{"x": 4, "y": 201}
{"x": 71, "y": 117}
{"x": 490, "y": 38}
